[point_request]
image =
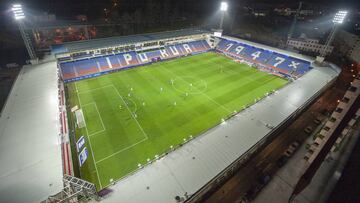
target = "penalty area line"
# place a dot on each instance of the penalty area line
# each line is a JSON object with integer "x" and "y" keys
{"x": 101, "y": 120}
{"x": 137, "y": 122}
{"x": 121, "y": 150}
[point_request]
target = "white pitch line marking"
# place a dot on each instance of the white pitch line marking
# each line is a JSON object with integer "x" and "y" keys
{"x": 92, "y": 152}
{"x": 131, "y": 113}
{"x": 137, "y": 122}
{"x": 211, "y": 99}
{"x": 142, "y": 130}
{"x": 121, "y": 150}
{"x": 101, "y": 121}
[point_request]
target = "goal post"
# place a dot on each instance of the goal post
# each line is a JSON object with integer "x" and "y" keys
{"x": 80, "y": 120}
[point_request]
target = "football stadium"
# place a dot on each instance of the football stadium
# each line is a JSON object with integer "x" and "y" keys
{"x": 132, "y": 105}
{"x": 150, "y": 117}
{"x": 163, "y": 97}
{"x": 135, "y": 116}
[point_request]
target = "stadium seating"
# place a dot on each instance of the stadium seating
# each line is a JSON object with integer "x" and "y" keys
{"x": 86, "y": 67}
{"x": 102, "y": 63}
{"x": 274, "y": 62}
{"x": 114, "y": 61}
{"x": 153, "y": 55}
{"x": 67, "y": 70}
{"x": 280, "y": 63}
{"x": 128, "y": 59}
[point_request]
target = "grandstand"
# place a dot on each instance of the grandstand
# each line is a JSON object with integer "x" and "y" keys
{"x": 89, "y": 67}
{"x": 270, "y": 61}
{"x": 94, "y": 63}
{"x": 245, "y": 91}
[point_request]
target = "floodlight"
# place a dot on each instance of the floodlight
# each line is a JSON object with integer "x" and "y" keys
{"x": 19, "y": 15}
{"x": 16, "y": 8}
{"x": 223, "y": 6}
{"x": 18, "y": 12}
{"x": 339, "y": 17}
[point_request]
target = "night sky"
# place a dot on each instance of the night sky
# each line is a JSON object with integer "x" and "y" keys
{"x": 205, "y": 9}
{"x": 69, "y": 8}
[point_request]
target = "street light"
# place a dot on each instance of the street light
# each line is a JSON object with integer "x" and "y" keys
{"x": 223, "y": 9}
{"x": 337, "y": 20}
{"x": 19, "y": 16}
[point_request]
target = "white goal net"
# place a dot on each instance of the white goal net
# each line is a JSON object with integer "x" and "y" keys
{"x": 80, "y": 120}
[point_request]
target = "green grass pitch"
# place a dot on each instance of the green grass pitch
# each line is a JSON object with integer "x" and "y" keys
{"x": 133, "y": 115}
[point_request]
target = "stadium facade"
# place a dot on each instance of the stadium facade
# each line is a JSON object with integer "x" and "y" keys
{"x": 189, "y": 171}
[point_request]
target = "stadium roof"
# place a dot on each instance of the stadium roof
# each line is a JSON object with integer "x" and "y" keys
{"x": 115, "y": 41}
{"x": 30, "y": 153}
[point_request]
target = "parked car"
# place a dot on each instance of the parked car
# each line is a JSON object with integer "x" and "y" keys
{"x": 291, "y": 149}
{"x": 317, "y": 121}
{"x": 265, "y": 179}
{"x": 295, "y": 144}
{"x": 282, "y": 161}
{"x": 308, "y": 130}
{"x": 288, "y": 153}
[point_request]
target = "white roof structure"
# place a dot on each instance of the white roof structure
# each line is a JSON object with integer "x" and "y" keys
{"x": 30, "y": 152}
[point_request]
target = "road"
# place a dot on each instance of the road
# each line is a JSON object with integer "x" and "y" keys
{"x": 265, "y": 161}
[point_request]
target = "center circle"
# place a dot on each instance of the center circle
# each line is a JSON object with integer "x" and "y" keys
{"x": 190, "y": 85}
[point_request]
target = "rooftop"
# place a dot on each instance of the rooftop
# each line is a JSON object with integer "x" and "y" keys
{"x": 122, "y": 40}
{"x": 30, "y": 153}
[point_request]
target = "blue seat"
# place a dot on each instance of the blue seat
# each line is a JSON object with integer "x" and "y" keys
{"x": 299, "y": 66}
{"x": 279, "y": 62}
{"x": 153, "y": 54}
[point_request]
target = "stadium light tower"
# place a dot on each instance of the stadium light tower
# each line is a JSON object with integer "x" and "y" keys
{"x": 223, "y": 8}
{"x": 19, "y": 17}
{"x": 337, "y": 20}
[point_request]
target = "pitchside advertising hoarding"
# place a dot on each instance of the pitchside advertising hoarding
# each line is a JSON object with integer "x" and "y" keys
{"x": 83, "y": 156}
{"x": 84, "y": 153}
{"x": 80, "y": 143}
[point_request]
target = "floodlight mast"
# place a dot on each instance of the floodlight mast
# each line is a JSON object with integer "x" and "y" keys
{"x": 19, "y": 16}
{"x": 223, "y": 8}
{"x": 337, "y": 20}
